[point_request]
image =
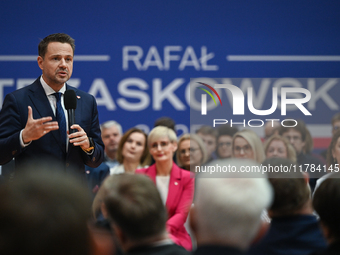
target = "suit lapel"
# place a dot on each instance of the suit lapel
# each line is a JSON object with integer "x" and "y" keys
{"x": 41, "y": 106}
{"x": 175, "y": 186}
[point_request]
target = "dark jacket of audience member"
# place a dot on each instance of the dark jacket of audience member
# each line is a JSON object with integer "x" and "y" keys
{"x": 293, "y": 229}
{"x": 326, "y": 204}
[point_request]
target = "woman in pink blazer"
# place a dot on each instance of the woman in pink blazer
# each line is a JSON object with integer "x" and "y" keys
{"x": 175, "y": 185}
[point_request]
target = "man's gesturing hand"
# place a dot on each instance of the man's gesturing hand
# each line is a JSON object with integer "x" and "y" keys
{"x": 35, "y": 129}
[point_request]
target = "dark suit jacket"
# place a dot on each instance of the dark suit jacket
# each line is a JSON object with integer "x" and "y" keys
{"x": 13, "y": 118}
{"x": 218, "y": 250}
{"x": 169, "y": 249}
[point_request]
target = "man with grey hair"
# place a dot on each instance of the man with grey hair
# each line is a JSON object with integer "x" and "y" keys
{"x": 226, "y": 216}
{"x": 111, "y": 132}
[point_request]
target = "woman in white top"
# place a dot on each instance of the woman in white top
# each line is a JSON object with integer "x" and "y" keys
{"x": 132, "y": 152}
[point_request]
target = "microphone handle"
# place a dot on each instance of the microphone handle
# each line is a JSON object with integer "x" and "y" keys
{"x": 71, "y": 120}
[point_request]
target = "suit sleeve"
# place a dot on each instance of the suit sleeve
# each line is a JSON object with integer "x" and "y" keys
{"x": 183, "y": 207}
{"x": 96, "y": 158}
{"x": 10, "y": 127}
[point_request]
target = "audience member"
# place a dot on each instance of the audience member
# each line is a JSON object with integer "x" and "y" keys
{"x": 294, "y": 228}
{"x": 247, "y": 145}
{"x": 333, "y": 159}
{"x": 335, "y": 127}
{"x": 209, "y": 136}
{"x": 224, "y": 141}
{"x": 296, "y": 135}
{"x": 132, "y": 152}
{"x": 111, "y": 133}
{"x": 165, "y": 122}
{"x": 271, "y": 128}
{"x": 326, "y": 204}
{"x": 226, "y": 215}
{"x": 175, "y": 185}
{"x": 191, "y": 152}
{"x": 45, "y": 212}
{"x": 138, "y": 215}
{"x": 278, "y": 147}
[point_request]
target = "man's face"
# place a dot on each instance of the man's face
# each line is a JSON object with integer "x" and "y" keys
{"x": 57, "y": 64}
{"x": 295, "y": 139}
{"x": 111, "y": 138}
{"x": 210, "y": 142}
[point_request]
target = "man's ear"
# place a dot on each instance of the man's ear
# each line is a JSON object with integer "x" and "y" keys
{"x": 325, "y": 231}
{"x": 123, "y": 240}
{"x": 306, "y": 177}
{"x": 262, "y": 231}
{"x": 104, "y": 210}
{"x": 40, "y": 61}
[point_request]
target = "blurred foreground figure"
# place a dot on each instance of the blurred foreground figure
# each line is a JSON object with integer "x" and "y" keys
{"x": 326, "y": 204}
{"x": 226, "y": 216}
{"x": 44, "y": 212}
{"x": 138, "y": 216}
{"x": 294, "y": 229}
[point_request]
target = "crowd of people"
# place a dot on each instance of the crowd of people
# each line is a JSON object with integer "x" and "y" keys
{"x": 146, "y": 196}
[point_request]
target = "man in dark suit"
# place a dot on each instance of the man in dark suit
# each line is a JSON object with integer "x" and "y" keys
{"x": 33, "y": 120}
{"x": 138, "y": 216}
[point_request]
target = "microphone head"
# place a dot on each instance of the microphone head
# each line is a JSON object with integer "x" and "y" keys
{"x": 70, "y": 99}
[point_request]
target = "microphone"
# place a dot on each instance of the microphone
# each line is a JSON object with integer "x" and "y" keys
{"x": 70, "y": 103}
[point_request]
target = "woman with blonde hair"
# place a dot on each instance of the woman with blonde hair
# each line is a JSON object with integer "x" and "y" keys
{"x": 279, "y": 147}
{"x": 247, "y": 144}
{"x": 191, "y": 152}
{"x": 132, "y": 152}
{"x": 174, "y": 184}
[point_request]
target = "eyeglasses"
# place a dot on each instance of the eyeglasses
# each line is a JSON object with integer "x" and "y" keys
{"x": 228, "y": 144}
{"x": 184, "y": 151}
{"x": 245, "y": 149}
{"x": 163, "y": 144}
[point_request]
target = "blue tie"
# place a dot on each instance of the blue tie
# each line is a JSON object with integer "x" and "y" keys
{"x": 60, "y": 115}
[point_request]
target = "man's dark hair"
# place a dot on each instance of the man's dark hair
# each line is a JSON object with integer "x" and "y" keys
{"x": 166, "y": 122}
{"x": 290, "y": 188}
{"x": 135, "y": 206}
{"x": 300, "y": 127}
{"x": 226, "y": 130}
{"x": 326, "y": 204}
{"x": 59, "y": 37}
{"x": 207, "y": 130}
{"x": 44, "y": 212}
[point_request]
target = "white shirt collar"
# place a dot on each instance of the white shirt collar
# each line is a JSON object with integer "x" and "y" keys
{"x": 48, "y": 89}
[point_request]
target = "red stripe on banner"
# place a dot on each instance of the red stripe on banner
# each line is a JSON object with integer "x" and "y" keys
{"x": 321, "y": 143}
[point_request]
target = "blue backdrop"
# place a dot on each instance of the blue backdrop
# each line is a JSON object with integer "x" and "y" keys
{"x": 137, "y": 57}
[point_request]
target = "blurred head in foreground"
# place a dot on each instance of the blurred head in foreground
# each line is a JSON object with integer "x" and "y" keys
{"x": 44, "y": 212}
{"x": 135, "y": 209}
{"x": 227, "y": 209}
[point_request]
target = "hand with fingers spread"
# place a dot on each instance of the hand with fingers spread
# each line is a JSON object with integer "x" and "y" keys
{"x": 79, "y": 138}
{"x": 36, "y": 128}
